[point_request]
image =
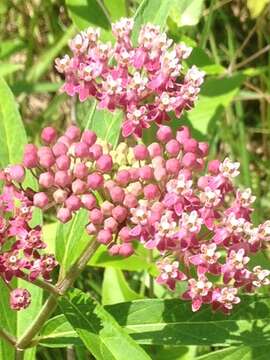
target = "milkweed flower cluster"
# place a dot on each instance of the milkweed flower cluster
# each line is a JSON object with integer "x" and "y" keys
{"x": 146, "y": 81}
{"x": 20, "y": 244}
{"x": 163, "y": 195}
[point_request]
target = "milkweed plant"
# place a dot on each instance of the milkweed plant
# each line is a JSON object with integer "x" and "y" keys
{"x": 186, "y": 210}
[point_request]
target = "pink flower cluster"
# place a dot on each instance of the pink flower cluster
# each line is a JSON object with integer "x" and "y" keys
{"x": 20, "y": 244}
{"x": 163, "y": 195}
{"x": 146, "y": 81}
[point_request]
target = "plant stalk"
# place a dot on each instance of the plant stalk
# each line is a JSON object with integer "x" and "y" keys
{"x": 51, "y": 304}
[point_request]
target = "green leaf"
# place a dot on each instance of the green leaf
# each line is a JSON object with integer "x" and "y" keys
{"x": 57, "y": 332}
{"x": 116, "y": 8}
{"x": 46, "y": 59}
{"x": 256, "y": 7}
{"x": 120, "y": 291}
{"x": 9, "y": 47}
{"x": 187, "y": 12}
{"x": 216, "y": 94}
{"x": 155, "y": 12}
{"x": 106, "y": 124}
{"x": 8, "y": 68}
{"x": 98, "y": 330}
{"x": 12, "y": 141}
{"x": 241, "y": 352}
{"x": 171, "y": 322}
{"x": 71, "y": 238}
{"x": 85, "y": 13}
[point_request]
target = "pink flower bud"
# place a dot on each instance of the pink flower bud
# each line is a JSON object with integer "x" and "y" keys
{"x": 155, "y": 150}
{"x": 134, "y": 174}
{"x": 124, "y": 234}
{"x": 106, "y": 208}
{"x": 95, "y": 152}
{"x": 16, "y": 173}
{"x": 203, "y": 147}
{"x": 173, "y": 147}
{"x": 183, "y": 134}
{"x": 65, "y": 140}
{"x": 30, "y": 148}
{"x": 64, "y": 215}
{"x": 60, "y": 196}
{"x": 130, "y": 201}
{"x": 63, "y": 162}
{"x": 213, "y": 167}
{"x": 89, "y": 137}
{"x": 95, "y": 181}
{"x": 80, "y": 171}
{"x": 119, "y": 213}
{"x": 160, "y": 173}
{"x": 114, "y": 250}
{"x": 126, "y": 250}
{"x": 203, "y": 182}
{"x": 151, "y": 191}
{"x": 19, "y": 299}
{"x": 158, "y": 161}
{"x": 104, "y": 236}
{"x": 140, "y": 152}
{"x": 146, "y": 173}
{"x": 164, "y": 134}
{"x": 40, "y": 200}
{"x": 46, "y": 179}
{"x": 62, "y": 178}
{"x": 189, "y": 160}
{"x": 104, "y": 163}
{"x": 73, "y": 203}
{"x": 96, "y": 217}
{"x": 123, "y": 177}
{"x": 78, "y": 186}
{"x": 46, "y": 157}
{"x": 191, "y": 145}
{"x": 73, "y": 133}
{"x": 117, "y": 194}
{"x": 173, "y": 166}
{"x": 59, "y": 149}
{"x": 48, "y": 135}
{"x": 88, "y": 201}
{"x": 81, "y": 150}
{"x": 109, "y": 184}
{"x": 91, "y": 229}
{"x": 30, "y": 160}
{"x": 111, "y": 224}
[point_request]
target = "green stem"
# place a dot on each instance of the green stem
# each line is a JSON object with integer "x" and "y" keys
{"x": 51, "y": 304}
{"x": 8, "y": 337}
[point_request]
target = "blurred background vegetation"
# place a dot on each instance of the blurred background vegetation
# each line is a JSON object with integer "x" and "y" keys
{"x": 231, "y": 41}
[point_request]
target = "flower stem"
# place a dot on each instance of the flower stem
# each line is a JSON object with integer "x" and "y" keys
{"x": 51, "y": 304}
{"x": 8, "y": 337}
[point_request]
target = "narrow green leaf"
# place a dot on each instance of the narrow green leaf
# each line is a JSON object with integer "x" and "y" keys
{"x": 171, "y": 322}
{"x": 85, "y": 13}
{"x": 116, "y": 8}
{"x": 241, "y": 352}
{"x": 8, "y": 68}
{"x": 120, "y": 291}
{"x": 154, "y": 12}
{"x": 98, "y": 330}
{"x": 71, "y": 239}
{"x": 12, "y": 141}
{"x": 106, "y": 124}
{"x": 186, "y": 12}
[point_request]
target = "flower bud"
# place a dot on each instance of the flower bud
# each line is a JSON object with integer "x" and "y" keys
{"x": 189, "y": 160}
{"x": 48, "y": 135}
{"x": 81, "y": 150}
{"x": 60, "y": 196}
{"x": 119, "y": 213}
{"x": 183, "y": 134}
{"x": 40, "y": 200}
{"x": 89, "y": 137}
{"x": 46, "y": 179}
{"x": 114, "y": 250}
{"x": 88, "y": 201}
{"x": 62, "y": 178}
{"x": 173, "y": 166}
{"x": 104, "y": 236}
{"x": 96, "y": 217}
{"x": 95, "y": 181}
{"x": 73, "y": 133}
{"x": 173, "y": 147}
{"x": 213, "y": 167}
{"x": 16, "y": 173}
{"x": 126, "y": 250}
{"x": 104, "y": 163}
{"x": 151, "y": 191}
{"x": 91, "y": 229}
{"x": 111, "y": 224}
{"x": 73, "y": 203}
{"x": 123, "y": 177}
{"x": 130, "y": 201}
{"x": 95, "y": 152}
{"x": 63, "y": 162}
{"x": 155, "y": 150}
{"x": 106, "y": 208}
{"x": 59, "y": 149}
{"x": 146, "y": 173}
{"x": 64, "y": 215}
{"x": 117, "y": 194}
{"x": 140, "y": 152}
{"x": 124, "y": 234}
{"x": 78, "y": 187}
{"x": 190, "y": 145}
{"x": 80, "y": 171}
{"x": 19, "y": 299}
{"x": 164, "y": 134}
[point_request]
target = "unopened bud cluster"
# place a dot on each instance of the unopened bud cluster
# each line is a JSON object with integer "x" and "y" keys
{"x": 163, "y": 195}
{"x": 146, "y": 81}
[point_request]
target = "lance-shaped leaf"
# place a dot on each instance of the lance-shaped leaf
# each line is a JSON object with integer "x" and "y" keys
{"x": 236, "y": 353}
{"x": 12, "y": 141}
{"x": 98, "y": 330}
